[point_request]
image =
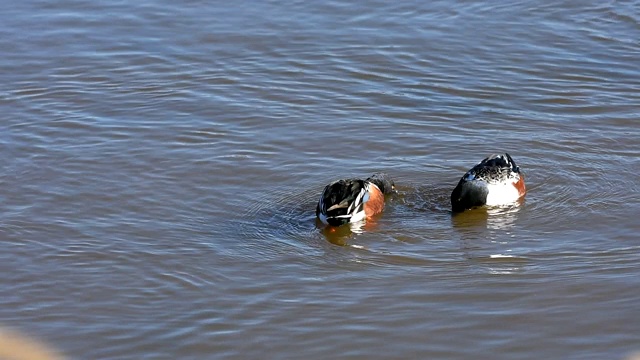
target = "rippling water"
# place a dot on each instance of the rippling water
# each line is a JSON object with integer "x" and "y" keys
{"x": 162, "y": 161}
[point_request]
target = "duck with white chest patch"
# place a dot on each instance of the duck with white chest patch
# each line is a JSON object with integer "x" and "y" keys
{"x": 495, "y": 181}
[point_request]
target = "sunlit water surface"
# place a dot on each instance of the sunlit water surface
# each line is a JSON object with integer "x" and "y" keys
{"x": 161, "y": 162}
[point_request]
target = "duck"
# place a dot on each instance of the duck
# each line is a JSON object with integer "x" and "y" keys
{"x": 494, "y": 181}
{"x": 353, "y": 200}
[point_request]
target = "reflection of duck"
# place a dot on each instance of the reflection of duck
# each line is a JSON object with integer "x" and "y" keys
{"x": 491, "y": 218}
{"x": 494, "y": 181}
{"x": 353, "y": 200}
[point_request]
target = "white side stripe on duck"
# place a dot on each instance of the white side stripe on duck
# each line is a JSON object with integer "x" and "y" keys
{"x": 353, "y": 200}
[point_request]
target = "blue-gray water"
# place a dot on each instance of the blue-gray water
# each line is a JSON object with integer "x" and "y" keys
{"x": 161, "y": 162}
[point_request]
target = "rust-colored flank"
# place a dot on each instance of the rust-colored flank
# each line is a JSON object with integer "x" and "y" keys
{"x": 375, "y": 205}
{"x": 520, "y": 186}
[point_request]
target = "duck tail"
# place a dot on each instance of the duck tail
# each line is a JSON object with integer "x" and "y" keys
{"x": 340, "y": 200}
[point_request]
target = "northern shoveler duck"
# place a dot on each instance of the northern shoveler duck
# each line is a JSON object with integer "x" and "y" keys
{"x": 353, "y": 200}
{"x": 494, "y": 181}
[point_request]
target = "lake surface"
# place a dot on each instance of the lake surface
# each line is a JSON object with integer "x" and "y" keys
{"x": 161, "y": 162}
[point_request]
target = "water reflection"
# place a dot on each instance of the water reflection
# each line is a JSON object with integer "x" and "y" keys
{"x": 483, "y": 239}
{"x": 500, "y": 264}
{"x": 200, "y": 148}
{"x": 494, "y": 218}
{"x": 340, "y": 235}
{"x": 337, "y": 235}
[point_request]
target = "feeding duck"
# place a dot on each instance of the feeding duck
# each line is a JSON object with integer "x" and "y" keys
{"x": 353, "y": 200}
{"x": 494, "y": 181}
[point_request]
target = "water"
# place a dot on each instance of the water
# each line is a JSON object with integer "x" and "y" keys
{"x": 162, "y": 161}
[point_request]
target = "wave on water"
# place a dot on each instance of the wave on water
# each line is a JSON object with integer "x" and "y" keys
{"x": 282, "y": 216}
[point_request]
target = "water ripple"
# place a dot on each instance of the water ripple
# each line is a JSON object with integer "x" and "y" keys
{"x": 160, "y": 175}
